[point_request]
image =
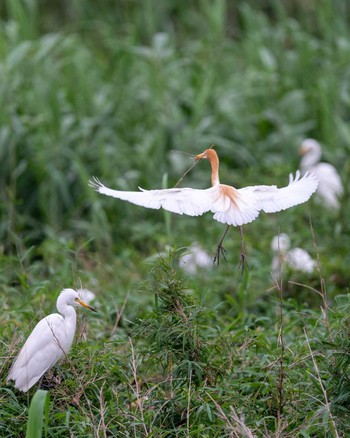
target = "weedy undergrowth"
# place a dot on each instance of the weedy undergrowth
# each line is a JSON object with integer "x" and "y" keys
{"x": 183, "y": 346}
{"x": 90, "y": 89}
{"x": 337, "y": 353}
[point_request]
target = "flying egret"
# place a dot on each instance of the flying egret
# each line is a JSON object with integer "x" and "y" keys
{"x": 51, "y": 338}
{"x": 296, "y": 259}
{"x": 230, "y": 206}
{"x": 330, "y": 187}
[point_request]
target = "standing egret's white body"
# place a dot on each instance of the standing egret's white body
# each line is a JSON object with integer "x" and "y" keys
{"x": 51, "y": 338}
{"x": 230, "y": 206}
{"x": 196, "y": 258}
{"x": 330, "y": 187}
{"x": 296, "y": 259}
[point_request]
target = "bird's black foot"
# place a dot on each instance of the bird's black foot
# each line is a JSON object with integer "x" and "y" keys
{"x": 220, "y": 251}
{"x": 243, "y": 263}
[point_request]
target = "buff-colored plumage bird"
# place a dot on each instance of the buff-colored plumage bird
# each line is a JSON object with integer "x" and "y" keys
{"x": 230, "y": 206}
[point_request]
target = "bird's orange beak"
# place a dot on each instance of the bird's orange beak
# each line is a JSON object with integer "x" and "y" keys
{"x": 303, "y": 150}
{"x": 199, "y": 156}
{"x": 82, "y": 303}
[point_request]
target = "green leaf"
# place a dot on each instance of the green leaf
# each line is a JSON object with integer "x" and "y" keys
{"x": 38, "y": 410}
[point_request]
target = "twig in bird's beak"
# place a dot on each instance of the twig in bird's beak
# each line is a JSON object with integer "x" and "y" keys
{"x": 182, "y": 152}
{"x": 196, "y": 159}
{"x": 187, "y": 171}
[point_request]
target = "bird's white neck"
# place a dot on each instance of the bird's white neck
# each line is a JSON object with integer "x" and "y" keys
{"x": 311, "y": 158}
{"x": 70, "y": 319}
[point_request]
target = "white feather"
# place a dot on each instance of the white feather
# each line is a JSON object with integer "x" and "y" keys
{"x": 86, "y": 295}
{"x": 330, "y": 187}
{"x": 191, "y": 202}
{"x": 248, "y": 202}
{"x": 300, "y": 260}
{"x": 37, "y": 354}
{"x": 298, "y": 191}
{"x": 251, "y": 200}
{"x": 51, "y": 338}
{"x": 195, "y": 258}
{"x": 297, "y": 259}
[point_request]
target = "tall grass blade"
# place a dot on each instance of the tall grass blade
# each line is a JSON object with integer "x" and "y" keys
{"x": 38, "y": 411}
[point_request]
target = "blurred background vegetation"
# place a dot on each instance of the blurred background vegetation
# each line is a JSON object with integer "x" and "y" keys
{"x": 128, "y": 91}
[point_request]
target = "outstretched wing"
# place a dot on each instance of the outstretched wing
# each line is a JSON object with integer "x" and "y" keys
{"x": 242, "y": 206}
{"x": 192, "y": 202}
{"x": 272, "y": 199}
{"x": 229, "y": 205}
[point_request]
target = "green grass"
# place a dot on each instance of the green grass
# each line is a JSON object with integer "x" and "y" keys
{"x": 125, "y": 94}
{"x": 38, "y": 411}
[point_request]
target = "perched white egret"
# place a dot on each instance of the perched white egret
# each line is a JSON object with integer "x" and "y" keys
{"x": 51, "y": 338}
{"x": 330, "y": 187}
{"x": 195, "y": 258}
{"x": 296, "y": 259}
{"x": 230, "y": 206}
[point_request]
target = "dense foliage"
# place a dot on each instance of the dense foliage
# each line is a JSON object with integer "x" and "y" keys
{"x": 129, "y": 91}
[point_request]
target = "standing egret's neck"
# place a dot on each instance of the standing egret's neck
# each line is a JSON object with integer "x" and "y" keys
{"x": 70, "y": 321}
{"x": 214, "y": 162}
{"x": 311, "y": 152}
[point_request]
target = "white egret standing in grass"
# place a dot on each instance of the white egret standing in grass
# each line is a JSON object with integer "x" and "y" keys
{"x": 51, "y": 338}
{"x": 230, "y": 206}
{"x": 330, "y": 187}
{"x": 86, "y": 295}
{"x": 195, "y": 258}
{"x": 296, "y": 259}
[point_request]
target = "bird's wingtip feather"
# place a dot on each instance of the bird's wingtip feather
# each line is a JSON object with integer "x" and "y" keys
{"x": 95, "y": 183}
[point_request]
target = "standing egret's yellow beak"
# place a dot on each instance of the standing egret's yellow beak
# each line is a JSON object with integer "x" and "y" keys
{"x": 82, "y": 303}
{"x": 303, "y": 150}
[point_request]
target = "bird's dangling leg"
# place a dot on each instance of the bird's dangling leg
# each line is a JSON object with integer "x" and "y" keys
{"x": 243, "y": 261}
{"x": 220, "y": 249}
{"x": 40, "y": 382}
